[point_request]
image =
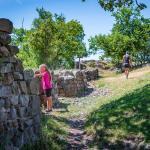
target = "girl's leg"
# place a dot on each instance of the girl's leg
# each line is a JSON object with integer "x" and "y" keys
{"x": 49, "y": 103}
{"x": 127, "y": 72}
{"x": 43, "y": 101}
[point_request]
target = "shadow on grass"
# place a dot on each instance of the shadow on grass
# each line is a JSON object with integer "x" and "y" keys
{"x": 52, "y": 136}
{"x": 126, "y": 118}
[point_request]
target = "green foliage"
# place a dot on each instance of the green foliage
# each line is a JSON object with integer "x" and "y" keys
{"x": 113, "y": 5}
{"x": 51, "y": 40}
{"x": 131, "y": 32}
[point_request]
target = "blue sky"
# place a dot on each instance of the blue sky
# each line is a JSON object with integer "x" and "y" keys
{"x": 93, "y": 18}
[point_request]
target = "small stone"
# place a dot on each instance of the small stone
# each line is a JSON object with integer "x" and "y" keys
{"x": 35, "y": 104}
{"x": 24, "y": 100}
{"x": 28, "y": 123}
{"x": 14, "y": 100}
{"x": 3, "y": 114}
{"x": 34, "y": 86}
{"x": 13, "y": 49}
{"x": 4, "y": 51}
{"x": 13, "y": 113}
{"x": 5, "y": 91}
{"x": 7, "y": 103}
{"x": 6, "y": 79}
{"x": 21, "y": 112}
{"x": 18, "y": 76}
{"x": 8, "y": 60}
{"x": 23, "y": 87}
{"x": 2, "y": 103}
{"x": 5, "y": 38}
{"x": 28, "y": 74}
{"x": 6, "y": 68}
{"x": 15, "y": 88}
{"x": 18, "y": 66}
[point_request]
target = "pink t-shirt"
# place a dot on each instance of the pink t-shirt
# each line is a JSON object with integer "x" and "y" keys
{"x": 46, "y": 80}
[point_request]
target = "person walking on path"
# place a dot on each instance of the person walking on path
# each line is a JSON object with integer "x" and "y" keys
{"x": 127, "y": 63}
{"x": 46, "y": 81}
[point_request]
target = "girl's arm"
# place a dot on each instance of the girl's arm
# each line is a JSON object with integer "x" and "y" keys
{"x": 38, "y": 75}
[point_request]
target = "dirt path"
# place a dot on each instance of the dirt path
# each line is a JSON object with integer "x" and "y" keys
{"x": 132, "y": 75}
{"x": 77, "y": 138}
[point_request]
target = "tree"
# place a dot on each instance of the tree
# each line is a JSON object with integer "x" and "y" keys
{"x": 52, "y": 40}
{"x": 113, "y": 5}
{"x": 129, "y": 33}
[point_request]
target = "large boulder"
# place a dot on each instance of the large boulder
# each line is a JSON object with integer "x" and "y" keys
{"x": 6, "y": 25}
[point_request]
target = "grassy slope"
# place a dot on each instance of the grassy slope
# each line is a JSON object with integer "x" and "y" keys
{"x": 124, "y": 114}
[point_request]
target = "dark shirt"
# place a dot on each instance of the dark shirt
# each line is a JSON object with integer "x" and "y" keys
{"x": 126, "y": 59}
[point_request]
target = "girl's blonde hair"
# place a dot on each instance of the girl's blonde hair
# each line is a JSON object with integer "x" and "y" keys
{"x": 45, "y": 66}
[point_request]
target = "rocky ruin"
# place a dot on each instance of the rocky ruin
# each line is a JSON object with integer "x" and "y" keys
{"x": 19, "y": 96}
{"x": 74, "y": 83}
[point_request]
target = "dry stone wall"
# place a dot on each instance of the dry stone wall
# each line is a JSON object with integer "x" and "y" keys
{"x": 74, "y": 83}
{"x": 19, "y": 96}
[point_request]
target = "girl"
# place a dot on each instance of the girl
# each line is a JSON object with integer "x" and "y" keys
{"x": 46, "y": 80}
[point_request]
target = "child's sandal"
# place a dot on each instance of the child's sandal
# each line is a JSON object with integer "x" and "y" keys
{"x": 48, "y": 110}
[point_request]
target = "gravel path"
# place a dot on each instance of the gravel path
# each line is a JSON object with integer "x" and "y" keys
{"x": 77, "y": 138}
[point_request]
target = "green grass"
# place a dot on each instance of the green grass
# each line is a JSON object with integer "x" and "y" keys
{"x": 123, "y": 115}
{"x": 52, "y": 136}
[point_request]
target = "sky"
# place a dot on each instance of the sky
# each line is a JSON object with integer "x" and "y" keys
{"x": 93, "y": 18}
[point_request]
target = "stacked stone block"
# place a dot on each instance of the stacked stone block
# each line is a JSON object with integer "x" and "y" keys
{"x": 19, "y": 96}
{"x": 91, "y": 74}
{"x": 74, "y": 83}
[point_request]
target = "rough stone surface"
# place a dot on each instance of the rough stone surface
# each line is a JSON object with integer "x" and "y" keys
{"x": 13, "y": 49}
{"x": 74, "y": 83}
{"x": 6, "y": 25}
{"x": 28, "y": 74}
{"x": 18, "y": 76}
{"x": 4, "y": 51}
{"x": 6, "y": 68}
{"x": 5, "y": 38}
{"x": 19, "y": 104}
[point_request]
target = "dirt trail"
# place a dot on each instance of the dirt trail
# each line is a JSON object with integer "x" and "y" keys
{"x": 132, "y": 75}
{"x": 77, "y": 139}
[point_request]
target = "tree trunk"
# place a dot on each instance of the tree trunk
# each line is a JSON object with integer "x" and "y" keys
{"x": 79, "y": 63}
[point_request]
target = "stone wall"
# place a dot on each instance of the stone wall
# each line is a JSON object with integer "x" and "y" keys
{"x": 91, "y": 74}
{"x": 19, "y": 99}
{"x": 74, "y": 83}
